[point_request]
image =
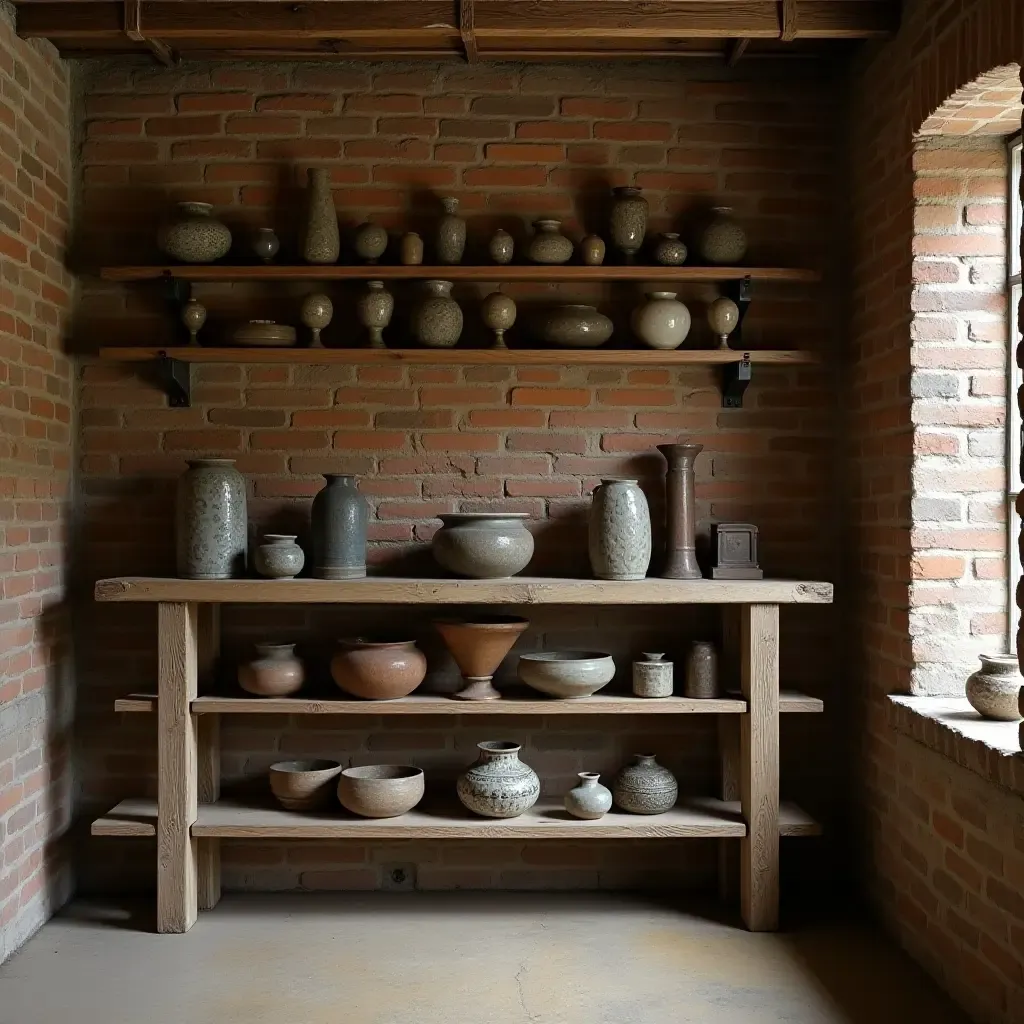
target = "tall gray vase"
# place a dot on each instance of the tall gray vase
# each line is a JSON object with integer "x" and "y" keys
{"x": 321, "y": 242}
{"x": 211, "y": 521}
{"x": 339, "y": 521}
{"x": 620, "y": 531}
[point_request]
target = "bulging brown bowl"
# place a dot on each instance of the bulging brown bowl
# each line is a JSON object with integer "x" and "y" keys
{"x": 378, "y": 670}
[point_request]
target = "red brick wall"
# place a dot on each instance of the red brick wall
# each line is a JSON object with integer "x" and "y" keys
{"x": 35, "y": 467}
{"x": 512, "y": 143}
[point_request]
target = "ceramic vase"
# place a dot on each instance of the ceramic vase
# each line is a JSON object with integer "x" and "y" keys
{"x": 411, "y": 253}
{"x": 375, "y": 308}
{"x": 670, "y": 251}
{"x": 316, "y": 313}
{"x": 279, "y": 557}
{"x": 194, "y": 236}
{"x": 321, "y": 241}
{"x": 498, "y": 785}
{"x": 701, "y": 671}
{"x": 619, "y": 531}
{"x": 574, "y": 326}
{"x": 645, "y": 787}
{"x": 274, "y": 672}
{"x": 338, "y": 529}
{"x": 723, "y": 319}
{"x": 628, "y": 221}
{"x": 483, "y": 545}
{"x": 371, "y": 241}
{"x": 499, "y": 314}
{"x": 680, "y": 512}
{"x": 211, "y": 521}
{"x": 376, "y": 670}
{"x": 723, "y": 241}
{"x": 502, "y": 247}
{"x": 193, "y": 316}
{"x": 548, "y": 244}
{"x": 478, "y": 648}
{"x": 662, "y": 322}
{"x": 995, "y": 688}
{"x": 589, "y": 799}
{"x": 592, "y": 250}
{"x": 451, "y": 234}
{"x": 437, "y": 320}
{"x": 265, "y": 244}
{"x": 652, "y": 677}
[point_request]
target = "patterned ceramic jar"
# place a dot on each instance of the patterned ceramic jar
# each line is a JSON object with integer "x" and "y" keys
{"x": 670, "y": 251}
{"x": 549, "y": 245}
{"x": 662, "y": 322}
{"x": 321, "y": 243}
{"x": 375, "y": 308}
{"x": 498, "y": 785}
{"x": 211, "y": 521}
{"x": 619, "y": 531}
{"x": 644, "y": 787}
{"x": 450, "y": 242}
{"x": 279, "y": 557}
{"x": 629, "y": 221}
{"x": 194, "y": 236}
{"x": 437, "y": 320}
{"x": 592, "y": 250}
{"x": 411, "y": 249}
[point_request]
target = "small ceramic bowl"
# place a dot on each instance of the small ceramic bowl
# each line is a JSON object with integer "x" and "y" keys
{"x": 303, "y": 785}
{"x": 567, "y": 673}
{"x": 380, "y": 790}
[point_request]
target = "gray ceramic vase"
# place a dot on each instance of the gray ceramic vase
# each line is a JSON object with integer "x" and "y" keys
{"x": 549, "y": 245}
{"x": 339, "y": 519}
{"x": 483, "y": 545}
{"x": 211, "y": 521}
{"x": 994, "y": 689}
{"x": 723, "y": 241}
{"x": 573, "y": 326}
{"x": 194, "y": 236}
{"x": 437, "y": 320}
{"x": 451, "y": 234}
{"x": 619, "y": 531}
{"x": 375, "y": 307}
{"x": 502, "y": 247}
{"x": 644, "y": 787}
{"x": 628, "y": 221}
{"x": 652, "y": 677}
{"x": 498, "y": 785}
{"x": 321, "y": 242}
{"x": 589, "y": 799}
{"x": 279, "y": 557}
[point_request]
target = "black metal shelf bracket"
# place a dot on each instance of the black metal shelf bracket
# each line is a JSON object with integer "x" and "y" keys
{"x": 736, "y": 376}
{"x": 176, "y": 377}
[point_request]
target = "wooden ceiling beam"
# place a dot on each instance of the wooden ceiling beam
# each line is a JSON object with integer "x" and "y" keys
{"x": 133, "y": 30}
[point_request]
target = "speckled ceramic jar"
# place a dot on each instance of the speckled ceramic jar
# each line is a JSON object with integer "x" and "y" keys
{"x": 265, "y": 244}
{"x": 338, "y": 529}
{"x": 619, "y": 531}
{"x": 723, "y": 241}
{"x": 411, "y": 250}
{"x": 316, "y": 313}
{"x": 628, "y": 221}
{"x": 375, "y": 308}
{"x": 670, "y": 251}
{"x": 279, "y": 557}
{"x": 450, "y": 242}
{"x": 723, "y": 319}
{"x": 662, "y": 322}
{"x": 702, "y": 671}
{"x": 211, "y": 521}
{"x": 592, "y": 250}
{"x": 498, "y": 785}
{"x": 994, "y": 690}
{"x": 502, "y": 247}
{"x": 652, "y": 677}
{"x": 499, "y": 314}
{"x": 193, "y": 236}
{"x": 193, "y": 316}
{"x": 483, "y": 545}
{"x": 371, "y": 241}
{"x": 274, "y": 672}
{"x": 589, "y": 800}
{"x": 437, "y": 320}
{"x": 548, "y": 244}
{"x": 573, "y": 326}
{"x": 321, "y": 241}
{"x": 645, "y": 787}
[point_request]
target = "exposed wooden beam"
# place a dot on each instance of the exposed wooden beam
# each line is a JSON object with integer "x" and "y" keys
{"x": 133, "y": 30}
{"x": 467, "y": 29}
{"x": 788, "y": 20}
{"x": 736, "y": 50}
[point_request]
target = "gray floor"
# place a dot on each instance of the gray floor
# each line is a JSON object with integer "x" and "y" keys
{"x": 458, "y": 959}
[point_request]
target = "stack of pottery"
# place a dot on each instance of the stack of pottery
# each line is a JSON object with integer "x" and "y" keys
{"x": 498, "y": 785}
{"x": 483, "y": 545}
{"x": 378, "y": 669}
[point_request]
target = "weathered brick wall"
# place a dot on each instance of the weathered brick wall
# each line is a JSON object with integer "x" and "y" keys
{"x": 35, "y": 467}
{"x": 512, "y": 143}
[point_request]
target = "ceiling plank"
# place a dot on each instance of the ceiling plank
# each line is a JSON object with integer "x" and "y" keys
{"x": 133, "y": 30}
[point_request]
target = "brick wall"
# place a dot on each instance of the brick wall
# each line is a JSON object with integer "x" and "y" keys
{"x": 513, "y": 143}
{"x": 35, "y": 468}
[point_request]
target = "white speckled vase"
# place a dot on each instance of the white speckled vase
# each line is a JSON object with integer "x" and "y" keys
{"x": 211, "y": 521}
{"x": 450, "y": 241}
{"x": 194, "y": 236}
{"x": 321, "y": 242}
{"x": 645, "y": 787}
{"x": 498, "y": 785}
{"x": 994, "y": 690}
{"x": 620, "y": 531}
{"x": 437, "y": 320}
{"x": 548, "y": 244}
{"x": 589, "y": 800}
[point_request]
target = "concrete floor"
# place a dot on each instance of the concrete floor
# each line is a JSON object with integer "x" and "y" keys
{"x": 455, "y": 959}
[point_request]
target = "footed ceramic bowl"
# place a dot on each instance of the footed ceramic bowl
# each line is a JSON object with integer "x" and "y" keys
{"x": 567, "y": 673}
{"x": 303, "y": 785}
{"x": 380, "y": 790}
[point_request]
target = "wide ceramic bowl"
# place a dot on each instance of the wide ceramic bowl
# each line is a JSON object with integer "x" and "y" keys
{"x": 380, "y": 790}
{"x": 483, "y": 545}
{"x": 378, "y": 670}
{"x": 303, "y": 785}
{"x": 567, "y": 673}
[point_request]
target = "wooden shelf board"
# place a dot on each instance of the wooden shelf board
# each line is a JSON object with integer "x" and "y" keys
{"x": 517, "y": 590}
{"x": 696, "y": 817}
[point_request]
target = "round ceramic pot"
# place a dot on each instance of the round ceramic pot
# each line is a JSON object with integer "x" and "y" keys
{"x": 437, "y": 320}
{"x": 702, "y": 671}
{"x": 502, "y": 247}
{"x": 193, "y": 316}
{"x": 375, "y": 308}
{"x": 193, "y": 236}
{"x": 274, "y": 672}
{"x": 644, "y": 787}
{"x": 338, "y": 529}
{"x": 619, "y": 536}
{"x": 995, "y": 688}
{"x": 211, "y": 532}
{"x": 589, "y": 799}
{"x": 279, "y": 557}
{"x": 652, "y": 677}
{"x": 549, "y": 245}
{"x": 478, "y": 648}
{"x": 592, "y": 250}
{"x": 321, "y": 241}
{"x": 723, "y": 241}
{"x": 499, "y": 314}
{"x": 380, "y": 790}
{"x": 498, "y": 785}
{"x": 723, "y": 319}
{"x": 304, "y": 785}
{"x": 370, "y": 242}
{"x": 265, "y": 244}
{"x": 574, "y": 327}
{"x": 451, "y": 234}
{"x": 316, "y": 313}
{"x": 378, "y": 670}
{"x": 662, "y": 322}
{"x": 670, "y": 251}
{"x": 483, "y": 545}
{"x": 567, "y": 674}
{"x": 628, "y": 220}
{"x": 411, "y": 253}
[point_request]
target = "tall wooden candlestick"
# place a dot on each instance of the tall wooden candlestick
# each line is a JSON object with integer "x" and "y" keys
{"x": 680, "y": 516}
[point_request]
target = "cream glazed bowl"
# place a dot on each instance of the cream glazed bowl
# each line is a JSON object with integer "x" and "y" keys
{"x": 567, "y": 674}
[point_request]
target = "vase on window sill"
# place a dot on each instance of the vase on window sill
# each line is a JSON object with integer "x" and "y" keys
{"x": 994, "y": 690}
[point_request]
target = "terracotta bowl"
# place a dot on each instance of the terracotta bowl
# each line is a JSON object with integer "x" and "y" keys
{"x": 380, "y": 790}
{"x": 304, "y": 785}
{"x": 378, "y": 670}
{"x": 567, "y": 673}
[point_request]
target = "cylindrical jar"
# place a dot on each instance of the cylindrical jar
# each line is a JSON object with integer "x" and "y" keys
{"x": 588, "y": 800}
{"x": 619, "y": 531}
{"x": 498, "y": 785}
{"x": 994, "y": 690}
{"x": 628, "y": 221}
{"x": 451, "y": 233}
{"x": 662, "y": 322}
{"x": 338, "y": 528}
{"x": 321, "y": 241}
{"x": 652, "y": 677}
{"x": 279, "y": 557}
{"x": 548, "y": 244}
{"x": 194, "y": 236}
{"x": 701, "y": 671}
{"x": 437, "y": 320}
{"x": 723, "y": 241}
{"x": 483, "y": 545}
{"x": 274, "y": 672}
{"x": 211, "y": 521}
{"x": 645, "y": 787}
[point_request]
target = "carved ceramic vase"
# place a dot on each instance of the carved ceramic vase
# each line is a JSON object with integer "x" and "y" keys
{"x": 548, "y": 244}
{"x": 644, "y": 787}
{"x": 375, "y": 308}
{"x": 194, "y": 236}
{"x": 702, "y": 671}
{"x": 502, "y": 247}
{"x": 499, "y": 314}
{"x": 316, "y": 313}
{"x": 628, "y": 221}
{"x": 652, "y": 677}
{"x": 211, "y": 521}
{"x": 338, "y": 529}
{"x": 265, "y": 244}
{"x": 371, "y": 242}
{"x": 723, "y": 241}
{"x": 321, "y": 241}
{"x": 994, "y": 689}
{"x": 483, "y": 545}
{"x": 680, "y": 512}
{"x": 378, "y": 670}
{"x": 279, "y": 557}
{"x": 662, "y": 322}
{"x": 589, "y": 799}
{"x": 498, "y": 785}
{"x": 411, "y": 250}
{"x": 592, "y": 250}
{"x": 723, "y": 319}
{"x": 619, "y": 531}
{"x": 437, "y": 320}
{"x": 670, "y": 251}
{"x": 574, "y": 326}
{"x": 274, "y": 672}
{"x": 193, "y": 316}
{"x": 451, "y": 234}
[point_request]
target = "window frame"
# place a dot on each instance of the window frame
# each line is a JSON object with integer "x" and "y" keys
{"x": 1015, "y": 426}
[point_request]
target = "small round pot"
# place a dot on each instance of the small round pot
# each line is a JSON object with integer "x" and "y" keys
{"x": 662, "y": 322}
{"x": 377, "y": 670}
{"x": 574, "y": 326}
{"x": 265, "y": 244}
{"x": 380, "y": 790}
{"x": 723, "y": 241}
{"x": 645, "y": 787}
{"x": 589, "y": 800}
{"x": 483, "y": 545}
{"x": 279, "y": 557}
{"x": 592, "y": 251}
{"x": 567, "y": 674}
{"x": 670, "y": 251}
{"x": 274, "y": 672}
{"x": 304, "y": 785}
{"x": 498, "y": 785}
{"x": 194, "y": 236}
{"x": 995, "y": 688}
{"x": 371, "y": 241}
{"x": 549, "y": 245}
